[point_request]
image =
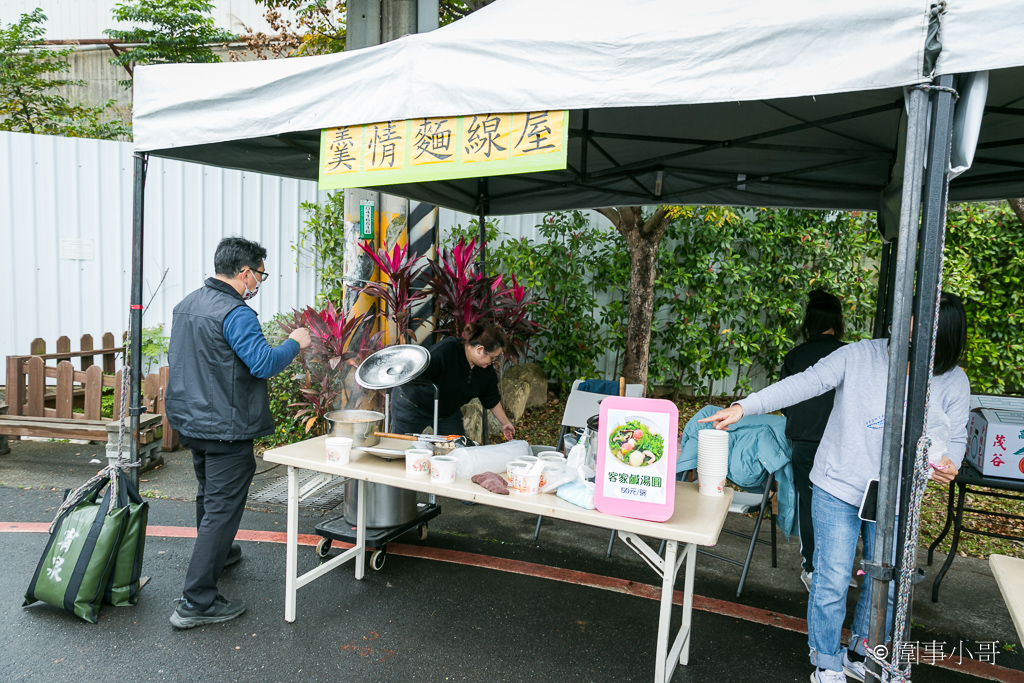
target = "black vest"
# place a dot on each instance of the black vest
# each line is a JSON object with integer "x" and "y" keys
{"x": 210, "y": 392}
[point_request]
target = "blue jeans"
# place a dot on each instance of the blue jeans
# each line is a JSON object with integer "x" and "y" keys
{"x": 836, "y": 531}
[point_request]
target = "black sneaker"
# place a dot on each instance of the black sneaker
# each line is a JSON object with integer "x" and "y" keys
{"x": 234, "y": 555}
{"x": 186, "y": 615}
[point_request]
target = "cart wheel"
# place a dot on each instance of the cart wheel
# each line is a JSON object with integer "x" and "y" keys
{"x": 377, "y": 559}
{"x": 323, "y": 548}
{"x": 423, "y": 532}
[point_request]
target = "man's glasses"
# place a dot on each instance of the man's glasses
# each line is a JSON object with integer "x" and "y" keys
{"x": 261, "y": 275}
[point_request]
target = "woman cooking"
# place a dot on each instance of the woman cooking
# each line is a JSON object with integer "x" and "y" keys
{"x": 461, "y": 367}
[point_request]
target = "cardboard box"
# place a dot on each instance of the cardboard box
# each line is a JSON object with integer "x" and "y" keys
{"x": 997, "y": 402}
{"x": 995, "y": 442}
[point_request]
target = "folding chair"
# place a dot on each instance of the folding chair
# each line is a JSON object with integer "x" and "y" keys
{"x": 759, "y": 495}
{"x": 744, "y": 502}
{"x": 580, "y": 407}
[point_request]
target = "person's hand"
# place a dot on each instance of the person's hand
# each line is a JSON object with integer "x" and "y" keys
{"x": 945, "y": 471}
{"x": 725, "y": 417}
{"x": 301, "y": 335}
{"x": 508, "y": 430}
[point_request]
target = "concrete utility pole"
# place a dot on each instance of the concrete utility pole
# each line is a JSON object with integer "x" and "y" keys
{"x": 372, "y": 22}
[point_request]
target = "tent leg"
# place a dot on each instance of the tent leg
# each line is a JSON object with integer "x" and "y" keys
{"x": 880, "y": 565}
{"x": 135, "y": 313}
{"x": 482, "y": 216}
{"x": 926, "y": 300}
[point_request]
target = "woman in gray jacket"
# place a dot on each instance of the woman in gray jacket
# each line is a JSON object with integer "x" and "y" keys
{"x": 848, "y": 457}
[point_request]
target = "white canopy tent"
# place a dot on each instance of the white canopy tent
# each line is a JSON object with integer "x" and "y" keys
{"x": 794, "y": 103}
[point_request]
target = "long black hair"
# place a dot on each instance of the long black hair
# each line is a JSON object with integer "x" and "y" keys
{"x": 824, "y": 312}
{"x": 951, "y": 335}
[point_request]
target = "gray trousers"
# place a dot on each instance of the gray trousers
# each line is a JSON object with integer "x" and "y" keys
{"x": 224, "y": 471}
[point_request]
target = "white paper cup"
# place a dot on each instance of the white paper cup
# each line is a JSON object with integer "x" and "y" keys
{"x": 711, "y": 485}
{"x": 552, "y": 456}
{"x": 524, "y": 483}
{"x": 339, "y": 449}
{"x": 711, "y": 434}
{"x": 442, "y": 469}
{"x": 417, "y": 461}
{"x": 516, "y": 462}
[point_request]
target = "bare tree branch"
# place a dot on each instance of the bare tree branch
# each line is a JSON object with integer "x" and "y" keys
{"x": 655, "y": 221}
{"x": 1018, "y": 208}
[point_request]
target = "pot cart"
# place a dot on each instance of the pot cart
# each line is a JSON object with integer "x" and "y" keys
{"x": 390, "y": 511}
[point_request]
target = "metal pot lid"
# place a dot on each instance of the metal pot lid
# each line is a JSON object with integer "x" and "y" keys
{"x": 392, "y": 366}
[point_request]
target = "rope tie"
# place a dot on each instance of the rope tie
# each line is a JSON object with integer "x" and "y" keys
{"x": 109, "y": 472}
{"x": 927, "y": 88}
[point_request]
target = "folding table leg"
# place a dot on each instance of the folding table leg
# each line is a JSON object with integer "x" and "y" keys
{"x": 360, "y": 558}
{"x": 691, "y": 566}
{"x": 665, "y": 616}
{"x": 291, "y": 547}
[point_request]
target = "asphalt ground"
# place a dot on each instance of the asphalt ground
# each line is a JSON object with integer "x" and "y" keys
{"x": 477, "y": 601}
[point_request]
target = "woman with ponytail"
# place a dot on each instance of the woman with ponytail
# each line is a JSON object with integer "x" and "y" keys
{"x": 462, "y": 368}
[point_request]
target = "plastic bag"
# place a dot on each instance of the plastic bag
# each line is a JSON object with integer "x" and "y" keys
{"x": 579, "y": 493}
{"x": 474, "y": 460}
{"x": 576, "y": 462}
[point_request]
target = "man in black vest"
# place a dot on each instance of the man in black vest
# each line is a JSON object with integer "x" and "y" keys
{"x": 217, "y": 400}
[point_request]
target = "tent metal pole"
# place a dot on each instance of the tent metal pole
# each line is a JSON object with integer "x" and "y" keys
{"x": 482, "y": 261}
{"x": 135, "y": 313}
{"x": 879, "y": 567}
{"x": 926, "y": 299}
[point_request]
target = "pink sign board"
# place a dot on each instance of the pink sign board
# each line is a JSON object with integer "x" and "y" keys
{"x": 636, "y": 458}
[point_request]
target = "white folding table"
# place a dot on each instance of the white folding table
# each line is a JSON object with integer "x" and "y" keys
{"x": 697, "y": 521}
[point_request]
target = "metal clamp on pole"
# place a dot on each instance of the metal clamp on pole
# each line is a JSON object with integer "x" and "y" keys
{"x": 878, "y": 572}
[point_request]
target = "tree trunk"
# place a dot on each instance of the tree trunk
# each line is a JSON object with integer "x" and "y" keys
{"x": 1018, "y": 208}
{"x": 642, "y": 239}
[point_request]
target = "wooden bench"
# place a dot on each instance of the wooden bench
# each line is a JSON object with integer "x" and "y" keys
{"x": 28, "y": 414}
{"x": 1009, "y": 573}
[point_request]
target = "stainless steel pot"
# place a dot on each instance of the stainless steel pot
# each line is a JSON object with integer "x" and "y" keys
{"x": 358, "y": 425}
{"x": 590, "y": 437}
{"x": 385, "y": 505}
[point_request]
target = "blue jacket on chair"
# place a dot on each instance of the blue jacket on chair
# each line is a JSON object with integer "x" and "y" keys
{"x": 757, "y": 446}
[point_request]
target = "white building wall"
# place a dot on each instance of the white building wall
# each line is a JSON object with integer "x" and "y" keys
{"x": 86, "y": 19}
{"x": 54, "y": 188}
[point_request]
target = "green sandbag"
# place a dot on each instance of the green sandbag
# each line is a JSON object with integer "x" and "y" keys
{"x": 79, "y": 556}
{"x": 123, "y": 586}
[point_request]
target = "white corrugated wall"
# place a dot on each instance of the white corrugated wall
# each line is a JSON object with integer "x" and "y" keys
{"x": 54, "y": 189}
{"x": 86, "y": 19}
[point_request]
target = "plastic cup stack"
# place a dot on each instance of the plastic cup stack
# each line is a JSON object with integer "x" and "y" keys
{"x": 712, "y": 461}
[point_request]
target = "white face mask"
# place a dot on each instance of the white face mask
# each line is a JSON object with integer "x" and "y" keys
{"x": 248, "y": 294}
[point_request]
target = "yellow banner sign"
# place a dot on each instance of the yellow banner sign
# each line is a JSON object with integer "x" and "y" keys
{"x": 417, "y": 150}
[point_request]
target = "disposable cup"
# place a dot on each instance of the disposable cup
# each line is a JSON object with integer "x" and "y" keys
{"x": 339, "y": 449}
{"x": 517, "y": 462}
{"x": 553, "y": 456}
{"x": 417, "y": 461}
{"x": 712, "y": 434}
{"x": 523, "y": 483}
{"x": 442, "y": 469}
{"x": 711, "y": 485}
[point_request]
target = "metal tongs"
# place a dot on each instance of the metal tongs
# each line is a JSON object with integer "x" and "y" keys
{"x": 456, "y": 440}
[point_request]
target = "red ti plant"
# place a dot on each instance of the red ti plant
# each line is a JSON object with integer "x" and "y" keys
{"x": 511, "y": 313}
{"x": 462, "y": 291}
{"x": 397, "y": 293}
{"x": 338, "y": 344}
{"x": 465, "y": 296}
